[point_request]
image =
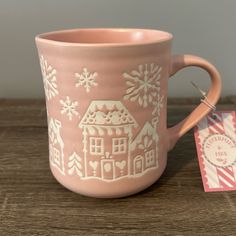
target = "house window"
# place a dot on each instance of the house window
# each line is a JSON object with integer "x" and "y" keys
{"x": 56, "y": 156}
{"x": 149, "y": 158}
{"x": 119, "y": 145}
{"x": 96, "y": 146}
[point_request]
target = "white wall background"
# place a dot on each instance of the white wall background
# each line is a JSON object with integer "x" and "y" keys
{"x": 204, "y": 27}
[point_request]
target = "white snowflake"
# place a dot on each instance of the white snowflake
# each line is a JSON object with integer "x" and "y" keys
{"x": 69, "y": 108}
{"x": 49, "y": 79}
{"x": 158, "y": 104}
{"x": 143, "y": 84}
{"x": 86, "y": 79}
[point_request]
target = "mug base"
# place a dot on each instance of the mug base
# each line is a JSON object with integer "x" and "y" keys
{"x": 117, "y": 189}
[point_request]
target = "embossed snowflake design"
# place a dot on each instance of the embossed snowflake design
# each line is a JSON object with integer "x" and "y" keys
{"x": 158, "y": 104}
{"x": 86, "y": 79}
{"x": 69, "y": 108}
{"x": 143, "y": 84}
{"x": 49, "y": 79}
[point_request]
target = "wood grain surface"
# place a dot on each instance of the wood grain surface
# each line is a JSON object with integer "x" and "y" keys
{"x": 33, "y": 203}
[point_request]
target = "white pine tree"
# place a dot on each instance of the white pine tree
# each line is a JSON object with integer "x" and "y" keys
{"x": 74, "y": 165}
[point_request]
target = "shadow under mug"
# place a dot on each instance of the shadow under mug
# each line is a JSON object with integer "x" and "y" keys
{"x": 106, "y": 97}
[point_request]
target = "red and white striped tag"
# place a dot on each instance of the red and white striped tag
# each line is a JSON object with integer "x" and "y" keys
{"x": 215, "y": 137}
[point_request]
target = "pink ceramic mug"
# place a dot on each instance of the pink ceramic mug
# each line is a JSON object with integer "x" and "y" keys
{"x": 106, "y": 95}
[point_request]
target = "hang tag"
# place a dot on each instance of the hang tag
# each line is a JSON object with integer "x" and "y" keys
{"x": 215, "y": 137}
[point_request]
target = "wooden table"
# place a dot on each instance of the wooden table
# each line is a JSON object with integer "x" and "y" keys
{"x": 33, "y": 203}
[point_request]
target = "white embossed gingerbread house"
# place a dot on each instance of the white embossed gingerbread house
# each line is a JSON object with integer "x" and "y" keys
{"x": 107, "y": 136}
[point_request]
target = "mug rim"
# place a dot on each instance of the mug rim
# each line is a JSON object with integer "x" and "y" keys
{"x": 166, "y": 36}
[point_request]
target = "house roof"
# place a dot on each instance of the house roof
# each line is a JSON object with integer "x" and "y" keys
{"x": 147, "y": 130}
{"x": 107, "y": 113}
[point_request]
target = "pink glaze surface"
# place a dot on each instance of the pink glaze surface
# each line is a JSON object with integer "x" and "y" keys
{"x": 106, "y": 95}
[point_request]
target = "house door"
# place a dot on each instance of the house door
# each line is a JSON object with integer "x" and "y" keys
{"x": 108, "y": 170}
{"x": 138, "y": 164}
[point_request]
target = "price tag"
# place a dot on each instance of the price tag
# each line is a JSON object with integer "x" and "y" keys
{"x": 215, "y": 138}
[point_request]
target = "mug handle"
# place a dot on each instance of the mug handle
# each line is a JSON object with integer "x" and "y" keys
{"x": 179, "y": 62}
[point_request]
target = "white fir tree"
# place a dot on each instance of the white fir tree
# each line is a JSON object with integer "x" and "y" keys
{"x": 74, "y": 165}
